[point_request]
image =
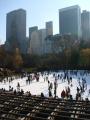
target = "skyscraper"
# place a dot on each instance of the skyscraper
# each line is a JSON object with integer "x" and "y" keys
{"x": 31, "y": 30}
{"x": 70, "y": 21}
{"x": 85, "y": 21}
{"x": 49, "y": 28}
{"x": 16, "y": 31}
{"x": 37, "y": 42}
{"x": 42, "y": 36}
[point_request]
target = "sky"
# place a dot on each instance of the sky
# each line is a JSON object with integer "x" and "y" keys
{"x": 38, "y": 12}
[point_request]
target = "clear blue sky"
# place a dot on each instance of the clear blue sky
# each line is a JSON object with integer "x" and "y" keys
{"x": 38, "y": 12}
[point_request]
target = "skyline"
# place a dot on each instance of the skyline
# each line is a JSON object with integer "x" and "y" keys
{"x": 38, "y": 12}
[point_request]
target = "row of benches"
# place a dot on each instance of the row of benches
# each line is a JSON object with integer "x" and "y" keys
{"x": 15, "y": 107}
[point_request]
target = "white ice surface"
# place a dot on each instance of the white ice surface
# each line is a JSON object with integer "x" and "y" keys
{"x": 37, "y": 87}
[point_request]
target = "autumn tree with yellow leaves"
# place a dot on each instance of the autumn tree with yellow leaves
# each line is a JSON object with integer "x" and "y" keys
{"x": 85, "y": 57}
{"x": 17, "y": 59}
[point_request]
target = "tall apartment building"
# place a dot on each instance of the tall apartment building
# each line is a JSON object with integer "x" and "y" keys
{"x": 16, "y": 31}
{"x": 49, "y": 28}
{"x": 85, "y": 22}
{"x": 70, "y": 21}
{"x": 31, "y": 30}
{"x": 42, "y": 36}
{"x": 37, "y": 42}
{"x": 34, "y": 43}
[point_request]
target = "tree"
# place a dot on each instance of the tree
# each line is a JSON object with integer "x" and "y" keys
{"x": 17, "y": 59}
{"x": 85, "y": 57}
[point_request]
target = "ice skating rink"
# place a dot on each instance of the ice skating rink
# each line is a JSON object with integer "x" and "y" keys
{"x": 42, "y": 85}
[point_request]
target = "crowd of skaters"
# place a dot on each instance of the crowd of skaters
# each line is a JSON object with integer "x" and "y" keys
{"x": 65, "y": 76}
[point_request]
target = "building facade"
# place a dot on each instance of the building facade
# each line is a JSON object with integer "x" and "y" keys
{"x": 70, "y": 21}
{"x": 85, "y": 22}
{"x": 31, "y": 30}
{"x": 37, "y": 42}
{"x": 42, "y": 36}
{"x": 16, "y": 31}
{"x": 34, "y": 43}
{"x": 49, "y": 44}
{"x": 49, "y": 28}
